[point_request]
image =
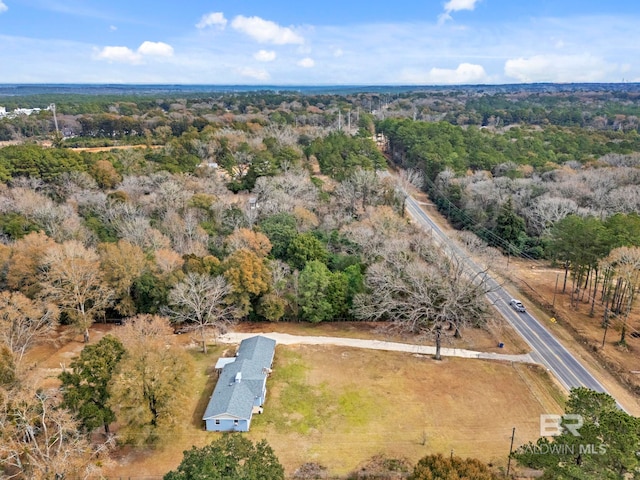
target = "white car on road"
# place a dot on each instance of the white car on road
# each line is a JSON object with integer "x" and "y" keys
{"x": 517, "y": 305}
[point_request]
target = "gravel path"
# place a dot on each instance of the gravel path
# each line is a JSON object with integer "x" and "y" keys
{"x": 287, "y": 339}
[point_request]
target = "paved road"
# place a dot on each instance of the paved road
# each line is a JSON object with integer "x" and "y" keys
{"x": 287, "y": 339}
{"x": 545, "y": 348}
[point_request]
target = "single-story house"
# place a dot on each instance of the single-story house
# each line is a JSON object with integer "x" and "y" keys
{"x": 242, "y": 386}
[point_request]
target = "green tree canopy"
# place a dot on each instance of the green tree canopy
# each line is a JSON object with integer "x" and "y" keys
{"x": 84, "y": 387}
{"x": 281, "y": 230}
{"x": 340, "y": 154}
{"x": 606, "y": 448}
{"x": 232, "y": 457}
{"x": 304, "y": 248}
{"x": 322, "y": 294}
{"x": 509, "y": 227}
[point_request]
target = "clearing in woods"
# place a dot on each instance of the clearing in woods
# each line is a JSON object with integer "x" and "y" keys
{"x": 339, "y": 406}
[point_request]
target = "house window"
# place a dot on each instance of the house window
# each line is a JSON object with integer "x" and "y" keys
{"x": 217, "y": 421}
{"x": 235, "y": 423}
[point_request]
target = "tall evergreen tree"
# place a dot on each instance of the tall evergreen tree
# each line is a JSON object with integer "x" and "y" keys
{"x": 84, "y": 387}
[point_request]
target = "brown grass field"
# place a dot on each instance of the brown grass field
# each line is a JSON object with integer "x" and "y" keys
{"x": 340, "y": 406}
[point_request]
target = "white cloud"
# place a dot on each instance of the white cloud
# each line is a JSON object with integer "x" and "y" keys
{"x": 113, "y": 28}
{"x": 126, "y": 55}
{"x": 213, "y": 19}
{"x": 3, "y": 7}
{"x": 255, "y": 73}
{"x": 306, "y": 62}
{"x": 559, "y": 68}
{"x": 265, "y": 55}
{"x": 119, "y": 54}
{"x": 157, "y": 49}
{"x": 338, "y": 52}
{"x": 464, "y": 74}
{"x": 266, "y": 31}
{"x": 456, "y": 6}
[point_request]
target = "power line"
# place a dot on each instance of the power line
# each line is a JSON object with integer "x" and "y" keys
{"x": 476, "y": 226}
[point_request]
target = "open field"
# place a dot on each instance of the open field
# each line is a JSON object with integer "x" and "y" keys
{"x": 340, "y": 406}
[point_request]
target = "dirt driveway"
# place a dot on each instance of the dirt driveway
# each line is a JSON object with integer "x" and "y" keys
{"x": 288, "y": 339}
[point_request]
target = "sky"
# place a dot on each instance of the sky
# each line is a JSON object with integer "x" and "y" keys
{"x": 319, "y": 42}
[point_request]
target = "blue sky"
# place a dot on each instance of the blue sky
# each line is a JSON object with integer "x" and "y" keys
{"x": 319, "y": 42}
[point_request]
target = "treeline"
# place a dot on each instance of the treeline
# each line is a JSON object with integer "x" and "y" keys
{"x": 111, "y": 116}
{"x": 604, "y": 259}
{"x": 604, "y": 111}
{"x": 339, "y": 154}
{"x": 434, "y": 147}
{"x": 510, "y": 188}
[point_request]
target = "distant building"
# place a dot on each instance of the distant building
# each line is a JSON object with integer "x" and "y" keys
{"x": 242, "y": 386}
{"x": 22, "y": 111}
{"x": 26, "y": 111}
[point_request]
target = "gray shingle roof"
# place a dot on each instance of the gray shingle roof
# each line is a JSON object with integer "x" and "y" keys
{"x": 235, "y": 399}
{"x": 258, "y": 348}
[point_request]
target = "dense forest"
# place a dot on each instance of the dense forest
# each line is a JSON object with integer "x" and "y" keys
{"x": 267, "y": 206}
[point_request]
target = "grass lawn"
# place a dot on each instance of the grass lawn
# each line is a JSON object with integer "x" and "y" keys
{"x": 340, "y": 406}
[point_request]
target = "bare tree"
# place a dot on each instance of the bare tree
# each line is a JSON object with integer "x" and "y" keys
{"x": 199, "y": 303}
{"x": 546, "y": 211}
{"x": 379, "y": 233}
{"x": 187, "y": 236}
{"x": 423, "y": 299}
{"x": 23, "y": 323}
{"x": 72, "y": 278}
{"x": 411, "y": 178}
{"x": 40, "y": 440}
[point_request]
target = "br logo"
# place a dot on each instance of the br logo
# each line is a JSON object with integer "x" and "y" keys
{"x": 553, "y": 425}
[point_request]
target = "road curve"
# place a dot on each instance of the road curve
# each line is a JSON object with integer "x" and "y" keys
{"x": 546, "y": 349}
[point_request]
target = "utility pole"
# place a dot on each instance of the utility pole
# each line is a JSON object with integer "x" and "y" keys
{"x": 52, "y": 107}
{"x": 553, "y": 304}
{"x": 513, "y": 434}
